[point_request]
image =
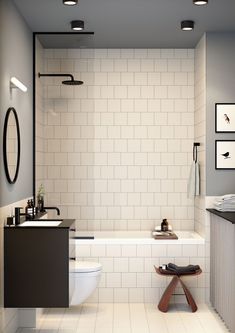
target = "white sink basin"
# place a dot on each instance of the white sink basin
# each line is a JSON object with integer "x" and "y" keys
{"x": 40, "y": 224}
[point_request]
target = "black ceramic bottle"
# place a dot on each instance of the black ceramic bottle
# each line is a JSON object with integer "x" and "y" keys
{"x": 164, "y": 225}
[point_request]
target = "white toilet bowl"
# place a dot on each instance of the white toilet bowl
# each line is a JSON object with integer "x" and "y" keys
{"x": 84, "y": 278}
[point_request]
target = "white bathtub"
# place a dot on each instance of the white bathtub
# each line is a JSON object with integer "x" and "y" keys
{"x": 136, "y": 237}
{"x": 128, "y": 259}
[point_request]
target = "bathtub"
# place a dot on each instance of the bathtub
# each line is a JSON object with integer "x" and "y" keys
{"x": 135, "y": 237}
{"x": 128, "y": 259}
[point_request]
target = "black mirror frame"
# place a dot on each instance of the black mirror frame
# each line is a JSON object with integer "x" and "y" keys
{"x": 10, "y": 180}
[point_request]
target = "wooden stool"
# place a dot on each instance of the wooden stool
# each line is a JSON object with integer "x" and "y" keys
{"x": 165, "y": 299}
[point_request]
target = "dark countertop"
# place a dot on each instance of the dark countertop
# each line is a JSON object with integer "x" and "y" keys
{"x": 229, "y": 216}
{"x": 66, "y": 223}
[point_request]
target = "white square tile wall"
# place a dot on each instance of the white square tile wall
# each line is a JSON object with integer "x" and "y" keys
{"x": 42, "y": 131}
{"x": 200, "y": 130}
{"x": 202, "y": 222}
{"x": 128, "y": 273}
{"x": 118, "y": 148}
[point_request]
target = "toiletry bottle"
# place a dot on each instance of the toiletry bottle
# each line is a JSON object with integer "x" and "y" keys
{"x": 27, "y": 208}
{"x": 164, "y": 225}
{"x": 33, "y": 209}
{"x": 40, "y": 203}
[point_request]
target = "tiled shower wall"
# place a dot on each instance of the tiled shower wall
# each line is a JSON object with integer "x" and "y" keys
{"x": 200, "y": 131}
{"x": 40, "y": 118}
{"x": 118, "y": 148}
{"x": 202, "y": 223}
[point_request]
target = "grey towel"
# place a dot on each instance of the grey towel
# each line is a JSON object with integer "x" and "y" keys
{"x": 182, "y": 269}
{"x": 194, "y": 180}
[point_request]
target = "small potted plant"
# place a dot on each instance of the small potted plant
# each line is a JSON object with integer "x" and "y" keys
{"x": 40, "y": 198}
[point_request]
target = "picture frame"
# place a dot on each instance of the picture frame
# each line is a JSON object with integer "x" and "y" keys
{"x": 225, "y": 154}
{"x": 225, "y": 117}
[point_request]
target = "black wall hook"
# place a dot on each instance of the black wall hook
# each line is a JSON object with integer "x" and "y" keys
{"x": 195, "y": 145}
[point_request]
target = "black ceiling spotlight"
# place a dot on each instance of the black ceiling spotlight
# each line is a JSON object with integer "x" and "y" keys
{"x": 187, "y": 25}
{"x": 77, "y": 25}
{"x": 200, "y": 2}
{"x": 70, "y": 2}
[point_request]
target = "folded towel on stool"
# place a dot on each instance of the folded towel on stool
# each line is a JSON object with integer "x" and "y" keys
{"x": 182, "y": 269}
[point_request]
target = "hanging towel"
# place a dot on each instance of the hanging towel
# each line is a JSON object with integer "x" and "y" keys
{"x": 194, "y": 180}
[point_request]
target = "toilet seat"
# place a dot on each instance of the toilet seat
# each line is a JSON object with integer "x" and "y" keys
{"x": 85, "y": 267}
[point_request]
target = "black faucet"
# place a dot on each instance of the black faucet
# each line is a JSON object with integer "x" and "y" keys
{"x": 18, "y": 214}
{"x": 55, "y": 208}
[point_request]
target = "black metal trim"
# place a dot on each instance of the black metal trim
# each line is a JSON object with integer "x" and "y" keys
{"x": 195, "y": 145}
{"x": 56, "y": 75}
{"x": 34, "y": 117}
{"x": 64, "y": 33}
{"x": 9, "y": 179}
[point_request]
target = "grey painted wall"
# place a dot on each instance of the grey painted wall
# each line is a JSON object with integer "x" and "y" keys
{"x": 16, "y": 58}
{"x": 220, "y": 88}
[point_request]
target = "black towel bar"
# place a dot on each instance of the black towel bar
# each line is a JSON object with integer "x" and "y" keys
{"x": 195, "y": 145}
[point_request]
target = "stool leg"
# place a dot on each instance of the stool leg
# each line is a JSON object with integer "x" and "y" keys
{"x": 189, "y": 297}
{"x": 165, "y": 299}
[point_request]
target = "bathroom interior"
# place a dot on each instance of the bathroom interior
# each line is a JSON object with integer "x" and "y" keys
{"x": 116, "y": 124}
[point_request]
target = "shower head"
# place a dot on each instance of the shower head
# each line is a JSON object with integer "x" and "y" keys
{"x": 70, "y": 82}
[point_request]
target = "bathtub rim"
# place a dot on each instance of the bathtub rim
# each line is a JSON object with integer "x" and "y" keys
{"x": 197, "y": 239}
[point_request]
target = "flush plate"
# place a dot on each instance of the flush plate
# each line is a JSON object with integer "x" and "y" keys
{"x": 40, "y": 224}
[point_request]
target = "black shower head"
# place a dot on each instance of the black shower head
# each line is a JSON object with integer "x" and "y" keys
{"x": 70, "y": 82}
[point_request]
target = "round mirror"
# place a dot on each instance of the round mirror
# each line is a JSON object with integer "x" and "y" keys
{"x": 11, "y": 145}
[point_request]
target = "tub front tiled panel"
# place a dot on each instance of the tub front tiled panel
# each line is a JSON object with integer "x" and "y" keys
{"x": 129, "y": 276}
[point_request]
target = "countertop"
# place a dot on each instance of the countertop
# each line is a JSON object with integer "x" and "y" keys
{"x": 229, "y": 216}
{"x": 66, "y": 223}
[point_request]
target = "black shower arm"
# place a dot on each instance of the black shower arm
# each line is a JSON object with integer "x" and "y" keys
{"x": 57, "y": 75}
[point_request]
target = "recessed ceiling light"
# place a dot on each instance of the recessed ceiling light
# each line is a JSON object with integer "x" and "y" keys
{"x": 187, "y": 25}
{"x": 200, "y": 2}
{"x": 77, "y": 25}
{"x": 70, "y": 2}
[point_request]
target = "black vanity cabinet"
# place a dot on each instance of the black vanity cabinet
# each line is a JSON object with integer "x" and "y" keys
{"x": 36, "y": 265}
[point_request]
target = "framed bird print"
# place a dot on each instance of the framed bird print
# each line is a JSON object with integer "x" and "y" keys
{"x": 225, "y": 117}
{"x": 225, "y": 154}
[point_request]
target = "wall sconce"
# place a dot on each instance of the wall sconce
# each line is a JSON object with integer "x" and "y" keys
{"x": 15, "y": 83}
{"x": 200, "y": 2}
{"x": 70, "y": 2}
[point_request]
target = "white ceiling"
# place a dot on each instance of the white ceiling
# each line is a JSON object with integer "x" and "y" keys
{"x": 129, "y": 23}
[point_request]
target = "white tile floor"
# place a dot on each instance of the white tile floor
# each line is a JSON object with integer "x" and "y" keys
{"x": 128, "y": 318}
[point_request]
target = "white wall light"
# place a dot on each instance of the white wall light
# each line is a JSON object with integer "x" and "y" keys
{"x": 15, "y": 83}
{"x": 200, "y": 2}
{"x": 70, "y": 2}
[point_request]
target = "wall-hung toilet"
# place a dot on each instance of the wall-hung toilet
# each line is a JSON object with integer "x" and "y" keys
{"x": 84, "y": 278}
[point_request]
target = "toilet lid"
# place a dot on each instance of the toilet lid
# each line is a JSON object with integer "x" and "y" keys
{"x": 86, "y": 266}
